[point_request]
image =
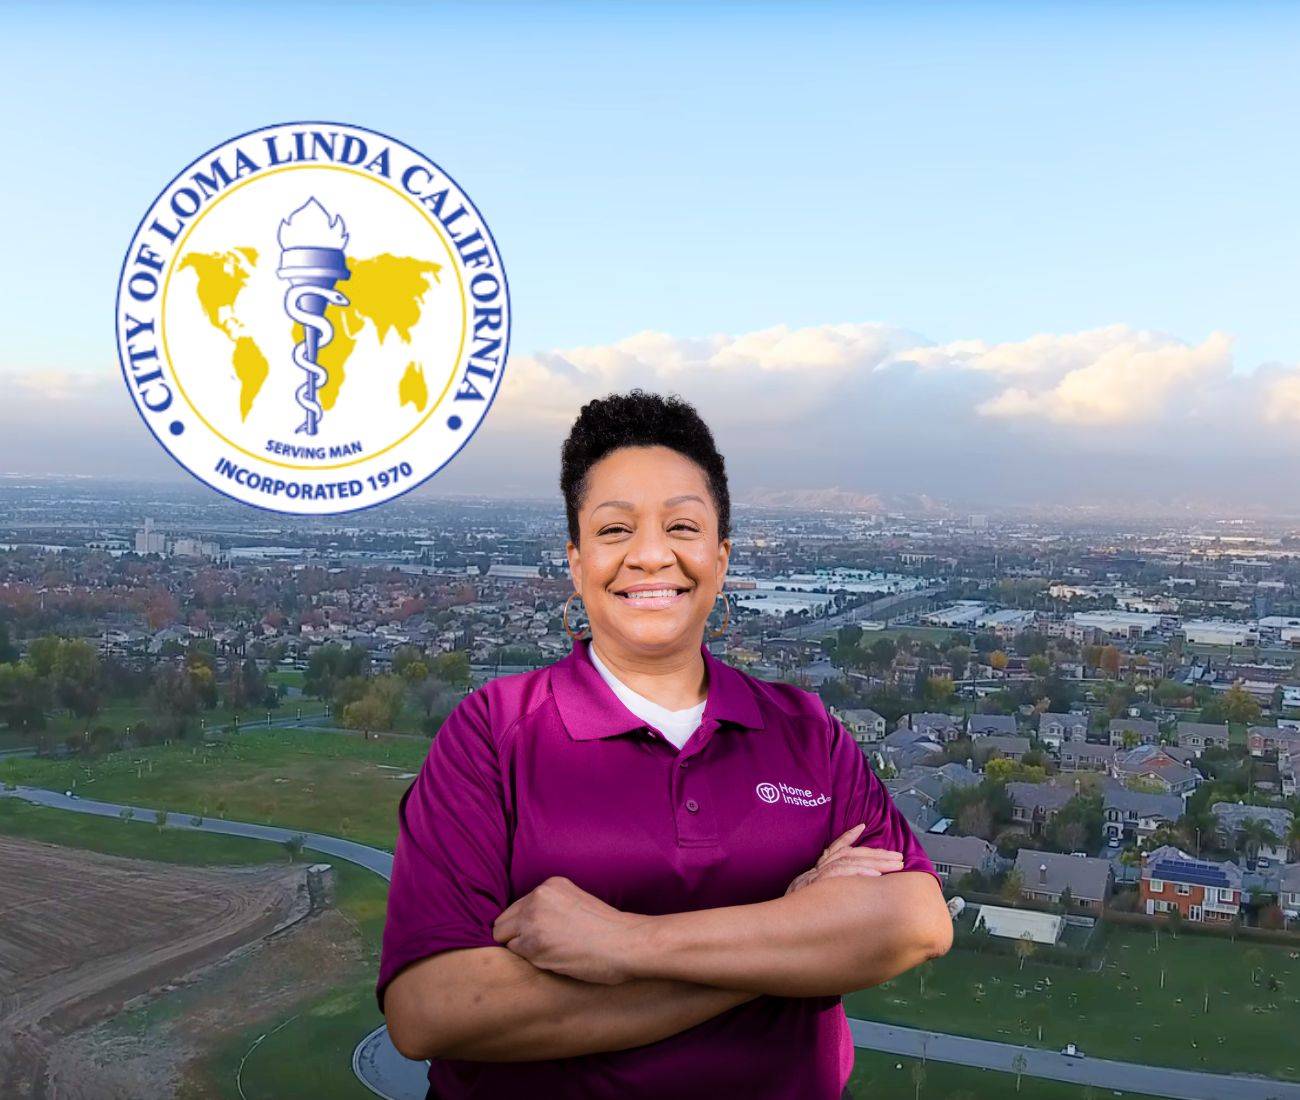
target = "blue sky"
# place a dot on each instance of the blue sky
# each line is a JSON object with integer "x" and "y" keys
{"x": 961, "y": 173}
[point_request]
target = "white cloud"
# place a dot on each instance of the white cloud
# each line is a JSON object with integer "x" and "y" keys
{"x": 867, "y": 407}
{"x": 1282, "y": 398}
{"x": 1104, "y": 377}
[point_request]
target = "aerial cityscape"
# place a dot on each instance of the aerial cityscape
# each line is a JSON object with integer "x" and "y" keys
{"x": 1093, "y": 728}
{"x": 987, "y": 311}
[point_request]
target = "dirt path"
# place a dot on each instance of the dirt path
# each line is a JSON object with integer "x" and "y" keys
{"x": 82, "y": 933}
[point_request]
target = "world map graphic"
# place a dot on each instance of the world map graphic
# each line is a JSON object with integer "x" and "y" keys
{"x": 385, "y": 292}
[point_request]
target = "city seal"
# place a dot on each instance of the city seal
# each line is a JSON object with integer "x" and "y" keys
{"x": 313, "y": 318}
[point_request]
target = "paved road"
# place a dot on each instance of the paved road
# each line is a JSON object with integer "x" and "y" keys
{"x": 386, "y": 1072}
{"x": 1125, "y": 1076}
{"x": 372, "y": 859}
{"x": 883, "y": 606}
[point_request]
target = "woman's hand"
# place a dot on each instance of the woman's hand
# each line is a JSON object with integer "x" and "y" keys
{"x": 562, "y": 928}
{"x": 841, "y": 858}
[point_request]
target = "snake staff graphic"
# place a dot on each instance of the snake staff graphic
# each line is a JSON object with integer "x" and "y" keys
{"x": 312, "y": 260}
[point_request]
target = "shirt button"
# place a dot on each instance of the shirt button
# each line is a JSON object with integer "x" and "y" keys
{"x": 685, "y": 763}
{"x": 692, "y": 805}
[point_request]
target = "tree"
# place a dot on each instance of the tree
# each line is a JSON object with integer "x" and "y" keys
{"x": 975, "y": 820}
{"x": 1025, "y": 948}
{"x": 1066, "y": 899}
{"x": 203, "y": 678}
{"x": 1175, "y": 920}
{"x": 173, "y": 695}
{"x": 1110, "y": 662}
{"x": 1018, "y": 1067}
{"x": 294, "y": 845}
{"x": 918, "y": 1079}
{"x": 414, "y": 672}
{"x": 379, "y": 707}
{"x": 1239, "y": 707}
{"x": 1212, "y": 713}
{"x": 848, "y": 637}
{"x": 160, "y": 819}
{"x": 331, "y": 663}
{"x": 1013, "y": 887}
{"x": 42, "y": 653}
{"x": 1256, "y": 961}
{"x": 23, "y": 696}
{"x": 998, "y": 660}
{"x": 433, "y": 697}
{"x": 76, "y": 676}
{"x": 8, "y": 651}
{"x": 883, "y": 652}
{"x": 1039, "y": 665}
{"x": 348, "y": 690}
{"x": 939, "y": 690}
{"x": 452, "y": 668}
{"x": 958, "y": 661}
{"x": 1196, "y": 828}
{"x": 1255, "y": 833}
{"x": 164, "y": 609}
{"x": 1030, "y": 643}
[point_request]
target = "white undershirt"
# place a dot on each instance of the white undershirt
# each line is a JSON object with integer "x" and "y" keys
{"x": 676, "y": 725}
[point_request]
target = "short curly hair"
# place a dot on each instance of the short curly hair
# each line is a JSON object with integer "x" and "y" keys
{"x": 640, "y": 419}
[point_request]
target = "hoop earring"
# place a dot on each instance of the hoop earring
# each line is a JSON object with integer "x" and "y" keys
{"x": 726, "y": 605}
{"x": 568, "y": 629}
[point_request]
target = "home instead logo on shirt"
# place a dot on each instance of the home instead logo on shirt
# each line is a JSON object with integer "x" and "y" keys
{"x": 795, "y": 796}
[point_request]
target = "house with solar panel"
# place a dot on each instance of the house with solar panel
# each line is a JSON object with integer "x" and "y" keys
{"x": 1203, "y": 890}
{"x": 1156, "y": 764}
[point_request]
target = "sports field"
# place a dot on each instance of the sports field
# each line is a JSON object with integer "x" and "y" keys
{"x": 1121, "y": 1011}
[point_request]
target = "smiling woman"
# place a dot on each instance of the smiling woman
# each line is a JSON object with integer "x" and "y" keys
{"x": 640, "y": 872}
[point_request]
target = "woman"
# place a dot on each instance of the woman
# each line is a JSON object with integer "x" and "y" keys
{"x": 639, "y": 872}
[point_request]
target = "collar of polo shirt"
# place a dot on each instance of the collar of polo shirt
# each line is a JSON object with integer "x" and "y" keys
{"x": 590, "y": 710}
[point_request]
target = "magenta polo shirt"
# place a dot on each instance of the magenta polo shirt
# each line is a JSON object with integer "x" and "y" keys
{"x": 547, "y": 773}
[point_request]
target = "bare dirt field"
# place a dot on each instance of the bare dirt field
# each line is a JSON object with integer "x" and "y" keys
{"x": 82, "y": 933}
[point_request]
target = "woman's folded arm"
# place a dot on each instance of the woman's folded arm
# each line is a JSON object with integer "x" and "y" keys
{"x": 830, "y": 938}
{"x": 488, "y": 1004}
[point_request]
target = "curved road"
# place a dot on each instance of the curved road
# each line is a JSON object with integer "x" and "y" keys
{"x": 384, "y": 1071}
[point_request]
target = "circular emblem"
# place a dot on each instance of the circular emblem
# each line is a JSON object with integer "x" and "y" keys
{"x": 768, "y": 792}
{"x": 313, "y": 318}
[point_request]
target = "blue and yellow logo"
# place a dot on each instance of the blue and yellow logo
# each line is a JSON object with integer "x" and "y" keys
{"x": 313, "y": 318}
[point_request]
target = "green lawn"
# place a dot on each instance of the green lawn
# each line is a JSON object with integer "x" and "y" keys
{"x": 1121, "y": 1011}
{"x": 289, "y": 677}
{"x": 319, "y": 782}
{"x": 876, "y": 1075}
{"x": 118, "y": 716}
{"x": 134, "y": 839}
